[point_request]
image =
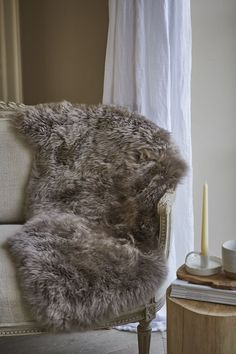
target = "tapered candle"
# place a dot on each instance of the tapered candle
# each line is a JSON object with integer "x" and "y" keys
{"x": 204, "y": 243}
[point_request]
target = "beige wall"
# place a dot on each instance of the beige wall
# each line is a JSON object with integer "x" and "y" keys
{"x": 63, "y": 49}
{"x": 213, "y": 116}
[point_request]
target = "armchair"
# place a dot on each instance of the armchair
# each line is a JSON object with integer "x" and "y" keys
{"x": 15, "y": 162}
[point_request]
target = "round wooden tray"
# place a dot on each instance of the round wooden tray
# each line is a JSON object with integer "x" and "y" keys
{"x": 218, "y": 281}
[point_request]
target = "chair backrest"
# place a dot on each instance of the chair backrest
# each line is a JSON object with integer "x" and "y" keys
{"x": 15, "y": 162}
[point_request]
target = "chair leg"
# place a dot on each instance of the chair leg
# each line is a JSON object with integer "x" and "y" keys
{"x": 144, "y": 336}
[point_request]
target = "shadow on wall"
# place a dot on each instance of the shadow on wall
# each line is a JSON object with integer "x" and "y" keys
{"x": 63, "y": 49}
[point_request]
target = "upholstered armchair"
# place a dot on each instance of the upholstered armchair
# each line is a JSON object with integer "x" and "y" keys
{"x": 15, "y": 163}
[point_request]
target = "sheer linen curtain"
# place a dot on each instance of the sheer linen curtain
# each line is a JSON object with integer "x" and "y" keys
{"x": 148, "y": 69}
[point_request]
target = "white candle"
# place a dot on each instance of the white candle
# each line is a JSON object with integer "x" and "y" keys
{"x": 204, "y": 244}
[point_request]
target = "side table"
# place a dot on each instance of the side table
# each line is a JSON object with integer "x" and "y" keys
{"x": 199, "y": 327}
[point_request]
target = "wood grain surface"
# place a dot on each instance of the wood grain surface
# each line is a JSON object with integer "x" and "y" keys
{"x": 200, "y": 327}
{"x": 219, "y": 281}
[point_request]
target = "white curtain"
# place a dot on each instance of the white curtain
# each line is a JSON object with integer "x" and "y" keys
{"x": 148, "y": 68}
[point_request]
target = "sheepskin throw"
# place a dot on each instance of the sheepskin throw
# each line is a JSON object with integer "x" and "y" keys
{"x": 88, "y": 250}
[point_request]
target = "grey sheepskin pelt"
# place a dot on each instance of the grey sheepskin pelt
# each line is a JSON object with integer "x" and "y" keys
{"x": 88, "y": 250}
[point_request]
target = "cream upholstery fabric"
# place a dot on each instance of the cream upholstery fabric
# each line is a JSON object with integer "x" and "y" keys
{"x": 12, "y": 308}
{"x": 15, "y": 160}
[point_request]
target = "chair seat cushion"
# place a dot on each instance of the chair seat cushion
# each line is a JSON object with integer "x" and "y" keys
{"x": 15, "y": 318}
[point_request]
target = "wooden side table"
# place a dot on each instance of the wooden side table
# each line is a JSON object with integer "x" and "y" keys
{"x": 198, "y": 327}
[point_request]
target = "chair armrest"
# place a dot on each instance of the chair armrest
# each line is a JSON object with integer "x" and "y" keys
{"x": 164, "y": 208}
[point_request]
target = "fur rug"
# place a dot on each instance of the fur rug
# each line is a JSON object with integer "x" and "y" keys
{"x": 88, "y": 250}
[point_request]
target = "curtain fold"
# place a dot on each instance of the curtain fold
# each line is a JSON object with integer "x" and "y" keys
{"x": 148, "y": 69}
{"x": 10, "y": 52}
